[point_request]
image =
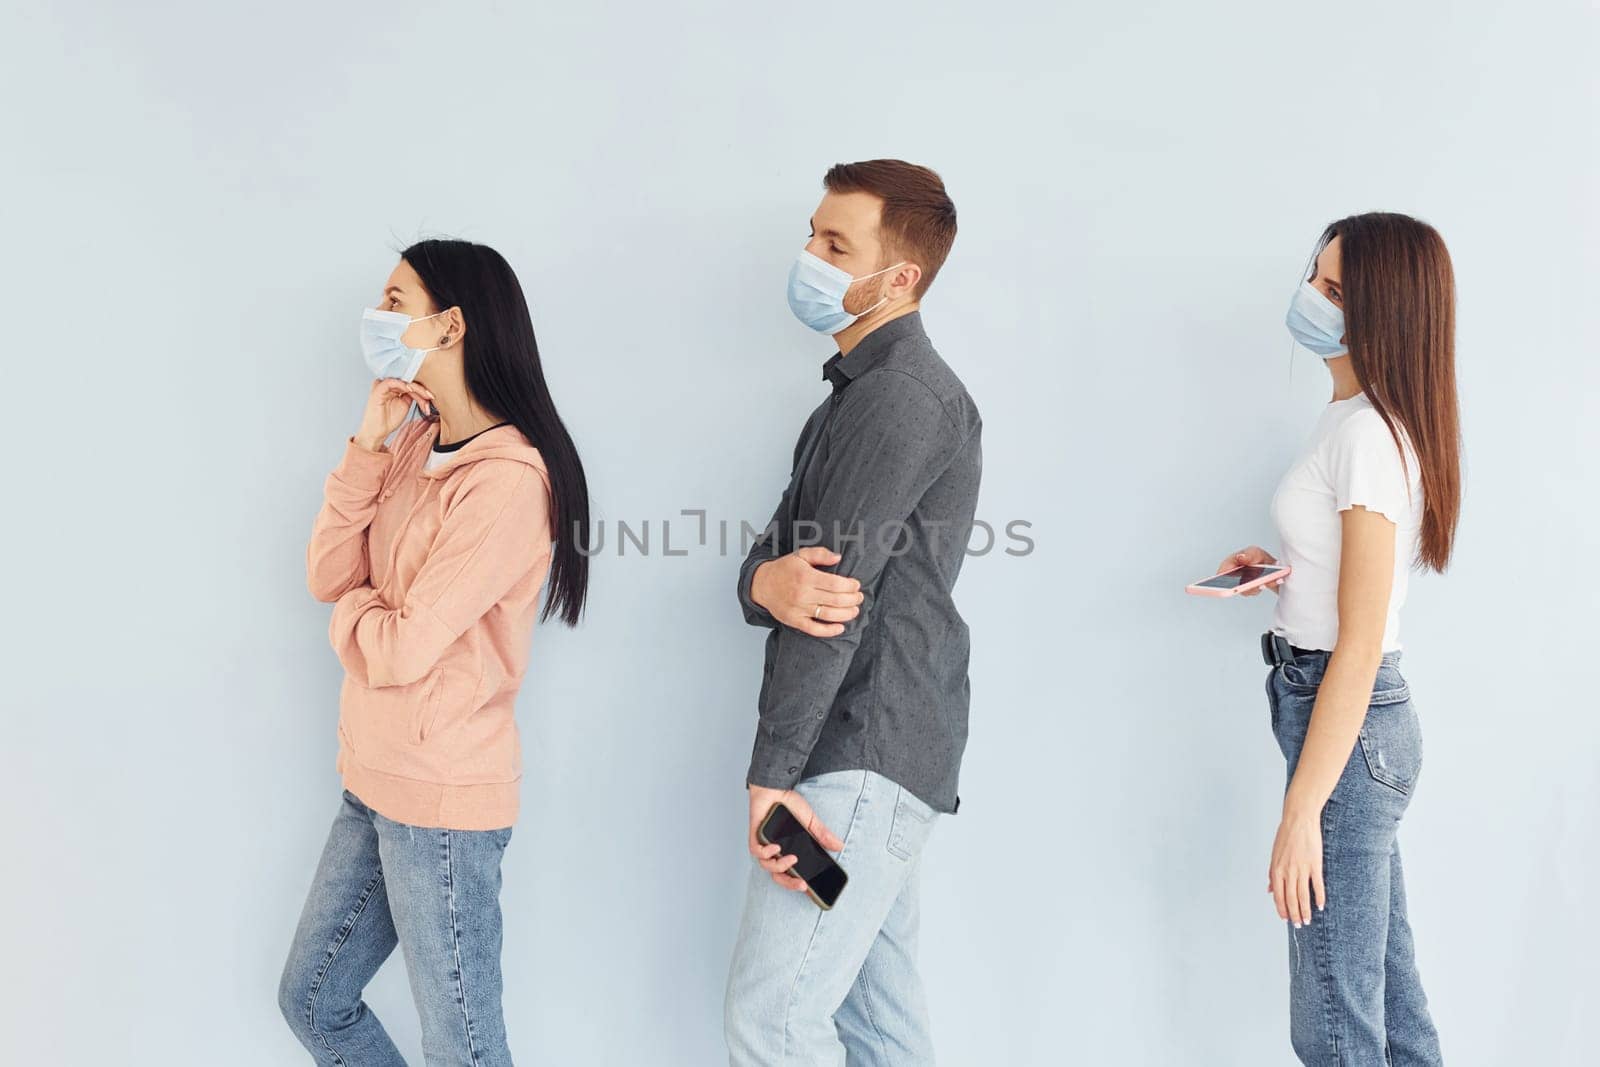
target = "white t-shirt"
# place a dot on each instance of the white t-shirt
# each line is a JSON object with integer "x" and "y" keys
{"x": 436, "y": 457}
{"x": 1351, "y": 459}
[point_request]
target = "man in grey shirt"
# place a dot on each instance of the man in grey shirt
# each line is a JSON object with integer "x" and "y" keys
{"x": 864, "y": 690}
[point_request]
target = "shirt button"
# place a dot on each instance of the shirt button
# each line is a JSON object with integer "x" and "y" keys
{"x": 794, "y": 770}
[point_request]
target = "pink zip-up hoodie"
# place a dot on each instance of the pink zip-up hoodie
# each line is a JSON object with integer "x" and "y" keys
{"x": 435, "y": 578}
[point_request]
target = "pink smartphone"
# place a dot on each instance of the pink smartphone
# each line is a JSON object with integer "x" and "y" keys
{"x": 1240, "y": 580}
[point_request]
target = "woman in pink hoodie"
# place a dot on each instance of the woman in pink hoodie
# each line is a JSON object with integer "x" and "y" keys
{"x": 433, "y": 549}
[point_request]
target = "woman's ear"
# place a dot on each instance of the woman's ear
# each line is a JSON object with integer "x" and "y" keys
{"x": 455, "y": 328}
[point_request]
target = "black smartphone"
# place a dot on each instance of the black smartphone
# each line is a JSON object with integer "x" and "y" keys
{"x": 824, "y": 878}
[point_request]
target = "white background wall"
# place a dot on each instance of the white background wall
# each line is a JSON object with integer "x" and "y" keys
{"x": 198, "y": 202}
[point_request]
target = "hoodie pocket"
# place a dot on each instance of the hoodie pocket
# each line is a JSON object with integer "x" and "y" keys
{"x": 425, "y": 710}
{"x": 412, "y": 731}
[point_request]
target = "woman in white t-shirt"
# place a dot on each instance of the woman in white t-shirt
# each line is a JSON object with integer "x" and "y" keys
{"x": 1375, "y": 493}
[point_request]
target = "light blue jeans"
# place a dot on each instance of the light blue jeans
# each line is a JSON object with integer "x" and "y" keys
{"x": 434, "y": 892}
{"x": 811, "y": 987}
{"x": 1355, "y": 997}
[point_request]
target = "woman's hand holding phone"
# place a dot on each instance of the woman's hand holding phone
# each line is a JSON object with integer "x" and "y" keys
{"x": 1255, "y": 556}
{"x": 387, "y": 405}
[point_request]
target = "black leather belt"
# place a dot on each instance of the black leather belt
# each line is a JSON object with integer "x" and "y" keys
{"x": 1276, "y": 649}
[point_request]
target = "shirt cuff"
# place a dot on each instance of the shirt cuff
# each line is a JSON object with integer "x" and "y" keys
{"x": 775, "y": 766}
{"x": 754, "y": 613}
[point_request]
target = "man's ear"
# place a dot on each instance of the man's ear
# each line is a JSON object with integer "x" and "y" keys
{"x": 910, "y": 271}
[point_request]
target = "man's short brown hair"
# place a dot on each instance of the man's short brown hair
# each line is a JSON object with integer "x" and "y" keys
{"x": 919, "y": 220}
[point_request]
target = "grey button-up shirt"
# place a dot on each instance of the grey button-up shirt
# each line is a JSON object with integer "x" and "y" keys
{"x": 886, "y": 474}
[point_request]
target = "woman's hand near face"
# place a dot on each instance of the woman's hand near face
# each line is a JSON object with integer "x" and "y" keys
{"x": 1254, "y": 555}
{"x": 387, "y": 405}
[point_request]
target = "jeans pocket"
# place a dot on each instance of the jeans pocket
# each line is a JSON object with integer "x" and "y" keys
{"x": 1300, "y": 677}
{"x": 1391, "y": 743}
{"x": 1389, "y": 687}
{"x": 912, "y": 821}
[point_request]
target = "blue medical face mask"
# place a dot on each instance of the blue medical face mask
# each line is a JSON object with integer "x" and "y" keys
{"x": 1316, "y": 322}
{"x": 387, "y": 356}
{"x": 816, "y": 293}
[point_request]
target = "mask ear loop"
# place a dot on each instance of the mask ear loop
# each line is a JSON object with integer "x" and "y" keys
{"x": 871, "y": 309}
{"x": 863, "y": 278}
{"x": 417, "y": 405}
{"x": 444, "y": 342}
{"x": 425, "y": 318}
{"x": 875, "y": 273}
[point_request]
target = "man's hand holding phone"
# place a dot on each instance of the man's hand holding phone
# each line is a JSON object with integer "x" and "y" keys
{"x": 802, "y": 597}
{"x": 769, "y": 856}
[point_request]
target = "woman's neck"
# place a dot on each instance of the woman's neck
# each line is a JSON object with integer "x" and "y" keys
{"x": 459, "y": 417}
{"x": 1345, "y": 383}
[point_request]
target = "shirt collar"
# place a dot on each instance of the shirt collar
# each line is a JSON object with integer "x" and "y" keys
{"x": 841, "y": 371}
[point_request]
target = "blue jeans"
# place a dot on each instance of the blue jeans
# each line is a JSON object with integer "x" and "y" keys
{"x": 808, "y": 986}
{"x": 1355, "y": 997}
{"x": 434, "y": 892}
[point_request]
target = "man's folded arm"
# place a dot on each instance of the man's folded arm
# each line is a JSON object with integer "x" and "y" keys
{"x": 890, "y": 439}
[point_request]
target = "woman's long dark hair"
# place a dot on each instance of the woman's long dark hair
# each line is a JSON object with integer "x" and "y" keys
{"x": 504, "y": 376}
{"x": 1400, "y": 324}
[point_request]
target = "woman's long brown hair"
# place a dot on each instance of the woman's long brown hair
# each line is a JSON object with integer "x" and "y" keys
{"x": 1400, "y": 325}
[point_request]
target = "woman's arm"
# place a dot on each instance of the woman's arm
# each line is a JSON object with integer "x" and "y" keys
{"x": 1366, "y": 578}
{"x": 336, "y": 555}
{"x": 495, "y": 530}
